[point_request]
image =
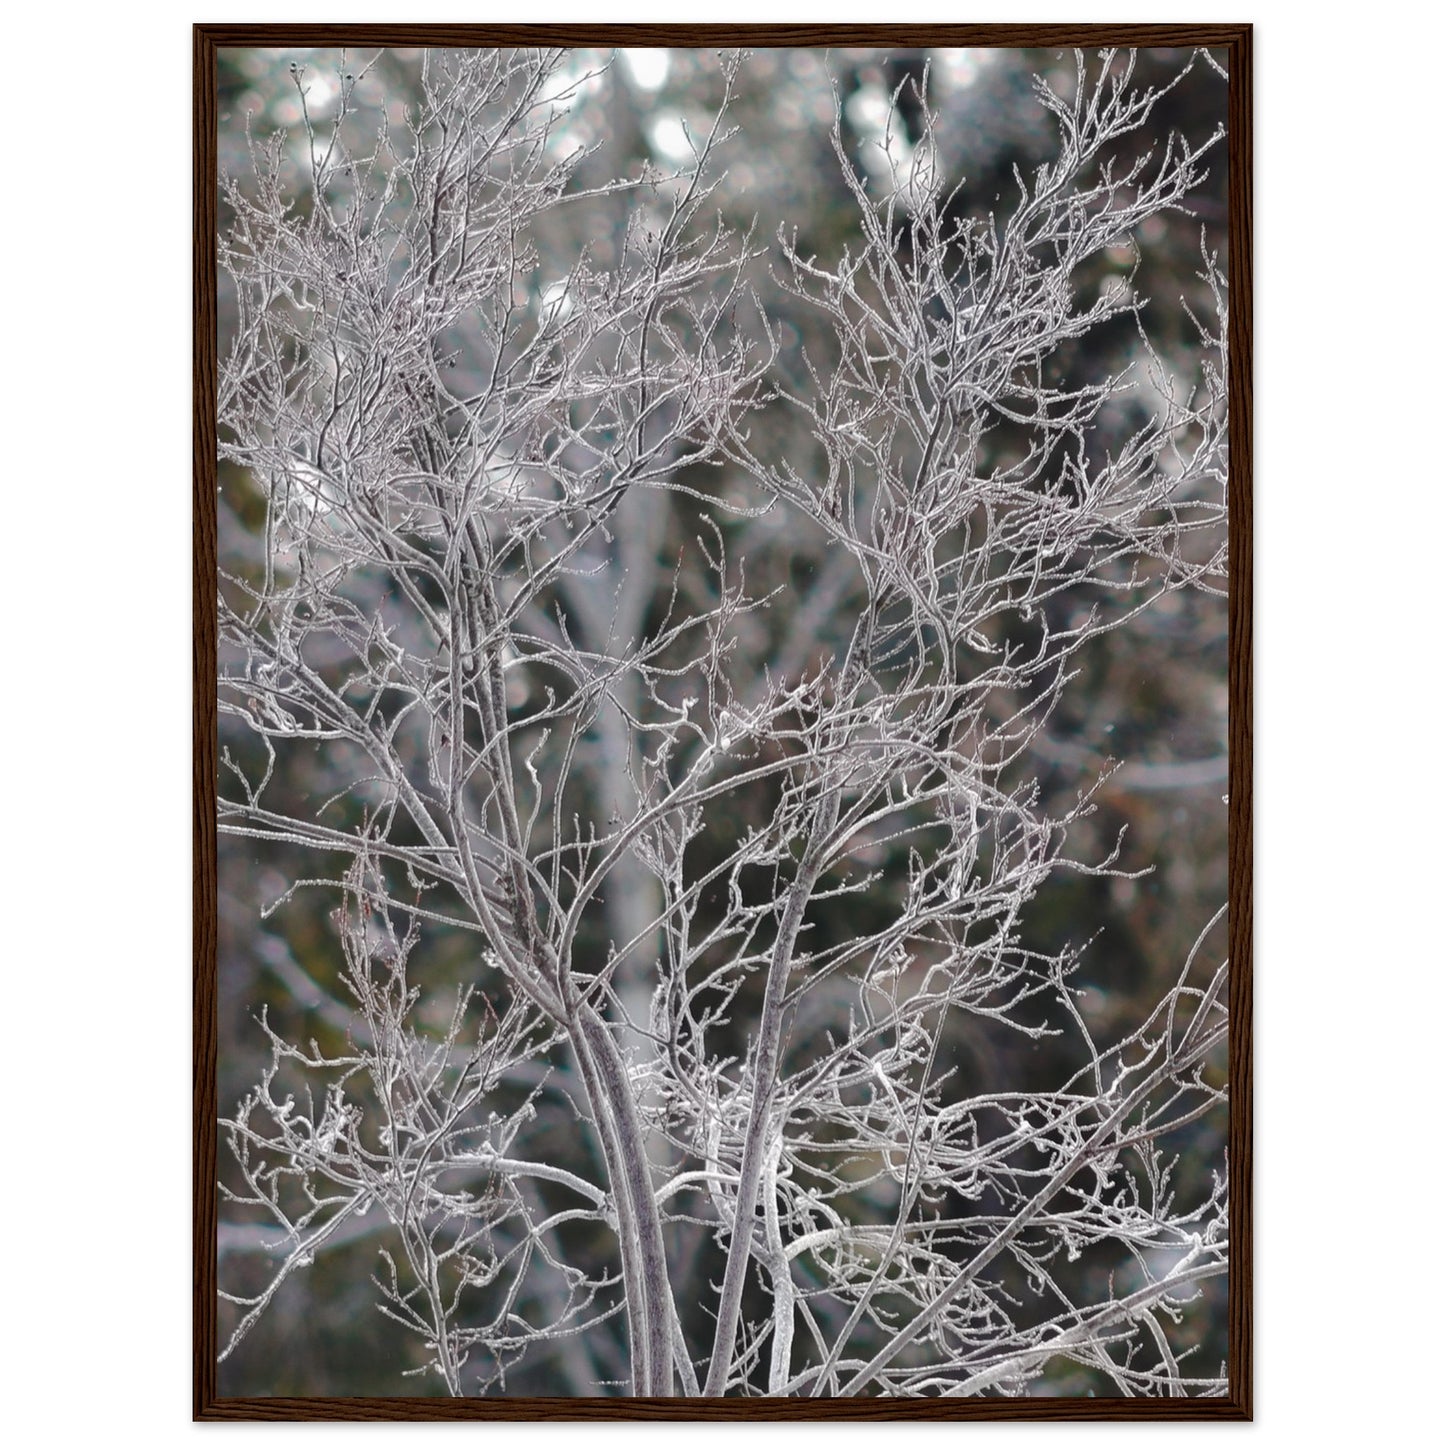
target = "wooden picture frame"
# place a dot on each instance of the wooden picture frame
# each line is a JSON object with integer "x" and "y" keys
{"x": 887, "y": 1013}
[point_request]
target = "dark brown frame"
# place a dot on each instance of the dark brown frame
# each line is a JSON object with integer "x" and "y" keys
{"x": 1237, "y": 40}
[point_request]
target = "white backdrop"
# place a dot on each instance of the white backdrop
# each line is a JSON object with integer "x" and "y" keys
{"x": 1348, "y": 524}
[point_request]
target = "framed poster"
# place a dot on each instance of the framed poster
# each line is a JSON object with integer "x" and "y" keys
{"x": 722, "y": 729}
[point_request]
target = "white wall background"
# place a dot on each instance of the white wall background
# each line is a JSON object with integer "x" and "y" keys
{"x": 96, "y": 320}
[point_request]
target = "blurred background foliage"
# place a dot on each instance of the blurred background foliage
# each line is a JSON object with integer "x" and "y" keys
{"x": 1151, "y": 696}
